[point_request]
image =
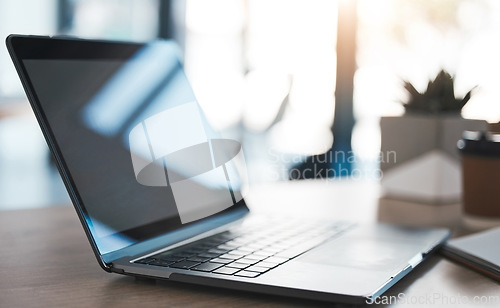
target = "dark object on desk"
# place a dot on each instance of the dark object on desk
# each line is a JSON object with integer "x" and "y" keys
{"x": 101, "y": 105}
{"x": 480, "y": 251}
{"x": 481, "y": 173}
{"x": 438, "y": 98}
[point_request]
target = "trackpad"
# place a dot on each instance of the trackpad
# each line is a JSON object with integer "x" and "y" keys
{"x": 362, "y": 253}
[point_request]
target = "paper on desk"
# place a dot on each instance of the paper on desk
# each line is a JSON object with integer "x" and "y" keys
{"x": 485, "y": 245}
{"x": 480, "y": 251}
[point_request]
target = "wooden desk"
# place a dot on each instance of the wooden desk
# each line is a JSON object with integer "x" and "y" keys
{"x": 46, "y": 259}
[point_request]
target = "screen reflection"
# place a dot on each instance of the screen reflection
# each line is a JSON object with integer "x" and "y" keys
{"x": 141, "y": 153}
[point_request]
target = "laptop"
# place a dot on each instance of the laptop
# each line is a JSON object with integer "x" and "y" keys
{"x": 161, "y": 194}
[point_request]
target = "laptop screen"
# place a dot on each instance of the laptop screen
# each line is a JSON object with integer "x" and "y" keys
{"x": 136, "y": 149}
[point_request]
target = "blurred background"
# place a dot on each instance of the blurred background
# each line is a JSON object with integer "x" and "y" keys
{"x": 290, "y": 79}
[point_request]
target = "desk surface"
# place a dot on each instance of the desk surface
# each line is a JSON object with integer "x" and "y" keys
{"x": 47, "y": 261}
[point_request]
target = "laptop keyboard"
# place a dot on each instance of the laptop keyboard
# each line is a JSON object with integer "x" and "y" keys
{"x": 247, "y": 251}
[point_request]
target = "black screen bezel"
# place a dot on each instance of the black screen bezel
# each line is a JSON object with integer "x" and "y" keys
{"x": 23, "y": 47}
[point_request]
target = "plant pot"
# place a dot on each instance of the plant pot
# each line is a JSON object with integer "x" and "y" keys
{"x": 419, "y": 157}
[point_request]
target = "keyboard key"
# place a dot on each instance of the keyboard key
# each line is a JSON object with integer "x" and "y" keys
{"x": 209, "y": 255}
{"x": 257, "y": 269}
{"x": 279, "y": 245}
{"x": 230, "y": 256}
{"x": 170, "y": 257}
{"x": 267, "y": 264}
{"x": 227, "y": 247}
{"x": 275, "y": 259}
{"x": 271, "y": 249}
{"x": 263, "y": 253}
{"x": 207, "y": 267}
{"x": 196, "y": 249}
{"x": 269, "y": 239}
{"x": 255, "y": 257}
{"x": 198, "y": 259}
{"x": 238, "y": 265}
{"x": 183, "y": 254}
{"x": 247, "y": 261}
{"x": 221, "y": 260}
{"x": 184, "y": 264}
{"x": 245, "y": 238}
{"x": 237, "y": 242}
{"x": 287, "y": 243}
{"x": 256, "y": 246}
{"x": 214, "y": 242}
{"x": 244, "y": 250}
{"x": 226, "y": 270}
{"x": 218, "y": 251}
{"x": 204, "y": 245}
{"x": 247, "y": 274}
{"x": 161, "y": 263}
{"x": 239, "y": 253}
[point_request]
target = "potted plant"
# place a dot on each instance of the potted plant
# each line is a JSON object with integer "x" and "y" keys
{"x": 421, "y": 158}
